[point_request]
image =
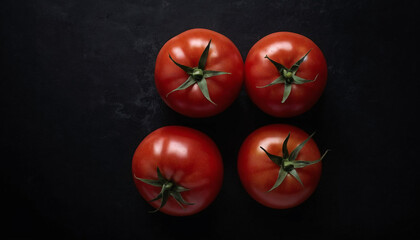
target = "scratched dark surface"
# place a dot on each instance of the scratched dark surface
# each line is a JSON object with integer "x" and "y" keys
{"x": 78, "y": 96}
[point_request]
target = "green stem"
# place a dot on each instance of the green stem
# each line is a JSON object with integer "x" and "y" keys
{"x": 287, "y": 165}
{"x": 287, "y": 74}
{"x": 197, "y": 74}
{"x": 167, "y": 186}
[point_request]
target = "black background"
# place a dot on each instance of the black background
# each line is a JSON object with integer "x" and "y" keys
{"x": 78, "y": 95}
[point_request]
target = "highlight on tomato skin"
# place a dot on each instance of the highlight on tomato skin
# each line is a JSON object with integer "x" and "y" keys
{"x": 285, "y": 74}
{"x": 177, "y": 170}
{"x": 280, "y": 165}
{"x": 199, "y": 73}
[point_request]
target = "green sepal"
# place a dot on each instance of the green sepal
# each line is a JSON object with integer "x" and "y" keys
{"x": 178, "y": 197}
{"x": 287, "y": 91}
{"x": 187, "y": 69}
{"x": 180, "y": 189}
{"x": 285, "y": 151}
{"x": 159, "y": 174}
{"x": 189, "y": 82}
{"x": 210, "y": 73}
{"x": 299, "y": 80}
{"x": 280, "y": 178}
{"x": 203, "y": 58}
{"x": 153, "y": 182}
{"x": 294, "y": 173}
{"x": 202, "y": 84}
{"x": 275, "y": 159}
{"x": 276, "y": 81}
{"x": 301, "y": 164}
{"x": 296, "y": 151}
{"x": 164, "y": 197}
{"x": 279, "y": 66}
{"x": 159, "y": 196}
{"x": 295, "y": 66}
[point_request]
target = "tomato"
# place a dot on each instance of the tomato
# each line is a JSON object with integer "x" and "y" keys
{"x": 285, "y": 74}
{"x": 199, "y": 73}
{"x": 279, "y": 165}
{"x": 179, "y": 170}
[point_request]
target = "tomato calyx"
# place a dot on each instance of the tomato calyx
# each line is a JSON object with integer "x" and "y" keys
{"x": 288, "y": 76}
{"x": 288, "y": 162}
{"x": 168, "y": 188}
{"x": 198, "y": 75}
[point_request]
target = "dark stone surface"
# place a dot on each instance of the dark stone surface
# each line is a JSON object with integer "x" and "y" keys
{"x": 78, "y": 96}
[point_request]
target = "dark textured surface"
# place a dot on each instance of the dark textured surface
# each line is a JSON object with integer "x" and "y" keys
{"x": 78, "y": 96}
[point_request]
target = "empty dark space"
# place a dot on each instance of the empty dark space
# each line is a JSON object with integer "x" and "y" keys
{"x": 78, "y": 96}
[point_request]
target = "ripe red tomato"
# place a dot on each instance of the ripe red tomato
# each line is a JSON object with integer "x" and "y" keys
{"x": 179, "y": 170}
{"x": 285, "y": 74}
{"x": 199, "y": 73}
{"x": 277, "y": 176}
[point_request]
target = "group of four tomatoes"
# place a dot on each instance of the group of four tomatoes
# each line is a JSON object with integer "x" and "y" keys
{"x": 199, "y": 73}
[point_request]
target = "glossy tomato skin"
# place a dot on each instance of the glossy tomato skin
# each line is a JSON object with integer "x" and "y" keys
{"x": 285, "y": 48}
{"x": 258, "y": 173}
{"x": 186, "y": 49}
{"x": 185, "y": 156}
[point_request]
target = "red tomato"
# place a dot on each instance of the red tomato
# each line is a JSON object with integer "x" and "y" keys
{"x": 190, "y": 168}
{"x": 211, "y": 87}
{"x": 287, "y": 182}
{"x": 297, "y": 87}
